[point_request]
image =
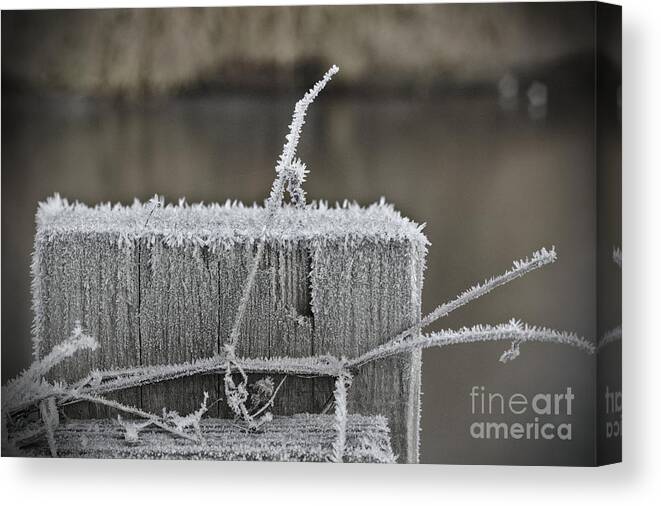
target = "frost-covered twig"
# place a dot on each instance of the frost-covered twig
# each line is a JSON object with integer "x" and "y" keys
{"x": 342, "y": 383}
{"x": 287, "y": 158}
{"x": 237, "y": 395}
{"x": 121, "y": 379}
{"x": 520, "y": 268}
{"x": 76, "y": 342}
{"x": 614, "y": 334}
{"x": 30, "y": 387}
{"x": 245, "y": 295}
{"x": 270, "y": 401}
{"x": 131, "y": 410}
{"x": 191, "y": 420}
{"x": 611, "y": 336}
{"x": 514, "y": 330}
{"x": 51, "y": 419}
{"x": 171, "y": 421}
{"x": 288, "y": 170}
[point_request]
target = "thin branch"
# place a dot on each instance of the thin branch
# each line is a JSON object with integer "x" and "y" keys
{"x": 520, "y": 268}
{"x": 50, "y": 419}
{"x": 611, "y": 336}
{"x": 145, "y": 375}
{"x": 273, "y": 203}
{"x": 271, "y": 400}
{"x": 76, "y": 342}
{"x": 514, "y": 330}
{"x": 30, "y": 387}
{"x": 614, "y": 334}
{"x": 155, "y": 420}
{"x": 342, "y": 382}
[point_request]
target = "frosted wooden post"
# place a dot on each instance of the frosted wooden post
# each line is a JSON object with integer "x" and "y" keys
{"x": 299, "y": 438}
{"x": 163, "y": 287}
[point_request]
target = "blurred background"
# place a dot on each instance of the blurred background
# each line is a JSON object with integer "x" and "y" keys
{"x": 476, "y": 119}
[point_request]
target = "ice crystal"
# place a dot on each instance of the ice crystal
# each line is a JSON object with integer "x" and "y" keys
{"x": 297, "y": 173}
{"x": 154, "y": 203}
{"x": 512, "y": 353}
{"x": 132, "y": 429}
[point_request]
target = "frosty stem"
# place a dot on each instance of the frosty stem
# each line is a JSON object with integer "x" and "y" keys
{"x": 132, "y": 411}
{"x": 342, "y": 383}
{"x": 514, "y": 330}
{"x": 269, "y": 403}
{"x": 520, "y": 268}
{"x": 274, "y": 201}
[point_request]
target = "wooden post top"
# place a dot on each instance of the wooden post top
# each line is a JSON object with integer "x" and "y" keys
{"x": 224, "y": 225}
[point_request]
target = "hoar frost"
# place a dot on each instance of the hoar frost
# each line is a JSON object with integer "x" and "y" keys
{"x": 248, "y": 306}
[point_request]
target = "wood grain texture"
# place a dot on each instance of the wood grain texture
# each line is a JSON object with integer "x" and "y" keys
{"x": 279, "y": 320}
{"x": 89, "y": 279}
{"x": 299, "y": 438}
{"x": 364, "y": 295}
{"x": 178, "y": 321}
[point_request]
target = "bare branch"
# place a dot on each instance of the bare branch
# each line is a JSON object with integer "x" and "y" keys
{"x": 520, "y": 268}
{"x": 154, "y": 419}
{"x": 514, "y": 330}
{"x": 611, "y": 336}
{"x": 342, "y": 383}
{"x": 273, "y": 203}
{"x": 272, "y": 399}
